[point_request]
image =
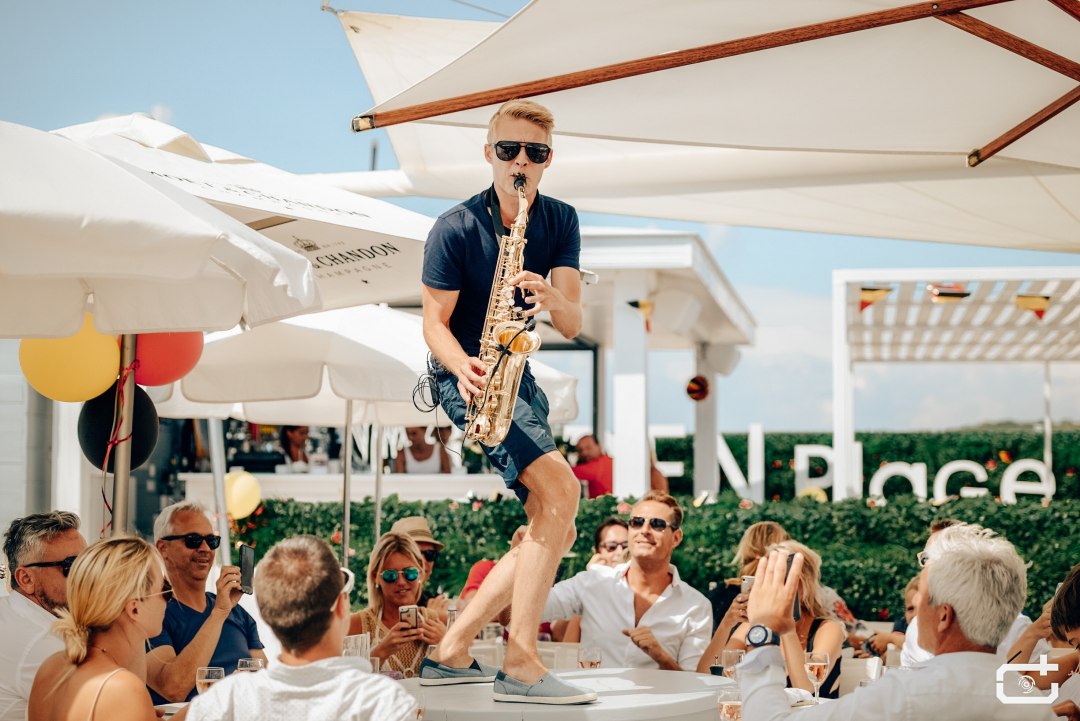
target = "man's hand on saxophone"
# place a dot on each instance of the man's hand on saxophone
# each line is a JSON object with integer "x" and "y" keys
{"x": 561, "y": 298}
{"x": 471, "y": 378}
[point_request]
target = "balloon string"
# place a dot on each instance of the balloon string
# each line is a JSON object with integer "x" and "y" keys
{"x": 114, "y": 440}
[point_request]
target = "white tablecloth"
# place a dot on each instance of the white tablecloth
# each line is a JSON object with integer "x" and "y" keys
{"x": 625, "y": 695}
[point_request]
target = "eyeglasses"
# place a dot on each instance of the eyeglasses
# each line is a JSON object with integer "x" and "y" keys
{"x": 349, "y": 580}
{"x": 64, "y": 565}
{"x": 509, "y": 149}
{"x": 657, "y": 524}
{"x": 411, "y": 574}
{"x": 430, "y": 555}
{"x": 612, "y": 546}
{"x": 923, "y": 557}
{"x": 194, "y": 540}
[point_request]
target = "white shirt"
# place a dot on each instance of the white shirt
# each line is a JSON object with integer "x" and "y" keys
{"x": 681, "y": 619}
{"x": 24, "y": 628}
{"x": 956, "y": 686}
{"x": 913, "y": 654}
{"x": 333, "y": 688}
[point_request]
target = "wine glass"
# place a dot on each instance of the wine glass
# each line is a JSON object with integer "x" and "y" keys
{"x": 817, "y": 668}
{"x": 589, "y": 657}
{"x": 729, "y": 659}
{"x": 250, "y": 664}
{"x": 207, "y": 676}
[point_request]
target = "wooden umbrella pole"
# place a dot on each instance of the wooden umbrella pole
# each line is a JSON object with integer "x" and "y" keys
{"x": 667, "y": 61}
{"x": 121, "y": 453}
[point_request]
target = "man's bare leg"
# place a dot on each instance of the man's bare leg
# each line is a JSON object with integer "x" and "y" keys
{"x": 524, "y": 575}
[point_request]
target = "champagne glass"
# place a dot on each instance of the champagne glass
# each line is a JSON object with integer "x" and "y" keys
{"x": 589, "y": 657}
{"x": 207, "y": 676}
{"x": 250, "y": 664}
{"x": 729, "y": 659}
{"x": 817, "y": 668}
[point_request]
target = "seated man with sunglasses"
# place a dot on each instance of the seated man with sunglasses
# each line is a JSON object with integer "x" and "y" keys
{"x": 460, "y": 260}
{"x": 200, "y": 628}
{"x": 40, "y": 549}
{"x": 640, "y": 614}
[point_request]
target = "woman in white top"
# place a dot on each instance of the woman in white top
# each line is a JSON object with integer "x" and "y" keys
{"x": 116, "y": 602}
{"x": 420, "y": 456}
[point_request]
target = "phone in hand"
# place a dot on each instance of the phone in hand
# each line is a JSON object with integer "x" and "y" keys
{"x": 796, "y": 613}
{"x": 247, "y": 568}
{"x": 410, "y": 615}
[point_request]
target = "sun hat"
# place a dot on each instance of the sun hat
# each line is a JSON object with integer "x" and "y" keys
{"x": 416, "y": 528}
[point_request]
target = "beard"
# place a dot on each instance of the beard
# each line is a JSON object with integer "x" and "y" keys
{"x": 50, "y": 603}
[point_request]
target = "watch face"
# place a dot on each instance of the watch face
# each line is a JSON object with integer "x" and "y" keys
{"x": 756, "y": 635}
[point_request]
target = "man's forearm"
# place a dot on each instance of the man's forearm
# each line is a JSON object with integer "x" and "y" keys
{"x": 568, "y": 320}
{"x": 444, "y": 346}
{"x": 176, "y": 678}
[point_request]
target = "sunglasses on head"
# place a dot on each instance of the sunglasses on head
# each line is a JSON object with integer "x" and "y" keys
{"x": 411, "y": 574}
{"x": 611, "y": 546}
{"x": 64, "y": 565}
{"x": 509, "y": 149}
{"x": 657, "y": 524}
{"x": 348, "y": 579}
{"x": 430, "y": 555}
{"x": 194, "y": 540}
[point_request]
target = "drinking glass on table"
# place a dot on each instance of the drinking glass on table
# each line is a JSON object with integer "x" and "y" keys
{"x": 729, "y": 659}
{"x": 358, "y": 645}
{"x": 817, "y": 668}
{"x": 589, "y": 657}
{"x": 250, "y": 664}
{"x": 207, "y": 676}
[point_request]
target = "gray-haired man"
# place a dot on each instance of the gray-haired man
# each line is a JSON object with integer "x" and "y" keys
{"x": 40, "y": 549}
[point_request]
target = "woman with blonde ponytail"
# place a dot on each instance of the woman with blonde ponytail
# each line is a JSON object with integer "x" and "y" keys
{"x": 116, "y": 602}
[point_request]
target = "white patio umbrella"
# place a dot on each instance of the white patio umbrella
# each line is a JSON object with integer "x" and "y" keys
{"x": 76, "y": 227}
{"x": 361, "y": 250}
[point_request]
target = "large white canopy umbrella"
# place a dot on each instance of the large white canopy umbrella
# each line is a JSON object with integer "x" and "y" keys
{"x": 361, "y": 250}
{"x": 78, "y": 231}
{"x": 1015, "y": 200}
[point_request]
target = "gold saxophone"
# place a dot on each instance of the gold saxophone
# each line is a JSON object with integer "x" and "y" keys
{"x": 507, "y": 339}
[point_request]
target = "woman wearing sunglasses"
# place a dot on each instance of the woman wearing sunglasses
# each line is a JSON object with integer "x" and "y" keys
{"x": 115, "y": 603}
{"x": 394, "y": 579}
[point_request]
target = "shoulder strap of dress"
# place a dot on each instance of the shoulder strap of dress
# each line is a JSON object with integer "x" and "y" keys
{"x": 814, "y": 626}
{"x": 100, "y": 689}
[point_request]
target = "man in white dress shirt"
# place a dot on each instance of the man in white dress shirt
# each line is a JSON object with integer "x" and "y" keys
{"x": 970, "y": 591}
{"x": 640, "y": 614}
{"x": 40, "y": 549}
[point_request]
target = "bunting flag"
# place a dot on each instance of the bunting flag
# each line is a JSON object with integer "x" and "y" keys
{"x": 645, "y": 307}
{"x": 947, "y": 292}
{"x": 1037, "y": 304}
{"x": 868, "y": 296}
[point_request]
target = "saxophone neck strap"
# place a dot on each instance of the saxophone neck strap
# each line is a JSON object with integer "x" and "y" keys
{"x": 496, "y": 215}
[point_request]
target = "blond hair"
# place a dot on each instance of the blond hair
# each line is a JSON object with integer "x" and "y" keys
{"x": 388, "y": 544}
{"x": 102, "y": 580}
{"x": 670, "y": 502}
{"x": 520, "y": 109}
{"x": 810, "y": 591}
{"x": 753, "y": 543}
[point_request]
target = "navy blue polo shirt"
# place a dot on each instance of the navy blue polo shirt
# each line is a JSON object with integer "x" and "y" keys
{"x": 239, "y": 636}
{"x": 462, "y": 251}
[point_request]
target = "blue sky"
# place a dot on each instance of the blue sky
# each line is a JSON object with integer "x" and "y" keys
{"x": 275, "y": 80}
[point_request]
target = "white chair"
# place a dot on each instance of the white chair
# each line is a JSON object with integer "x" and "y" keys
{"x": 854, "y": 670}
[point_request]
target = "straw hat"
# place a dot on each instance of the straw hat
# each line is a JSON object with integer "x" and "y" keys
{"x": 416, "y": 528}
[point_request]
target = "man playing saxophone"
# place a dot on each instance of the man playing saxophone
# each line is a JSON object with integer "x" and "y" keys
{"x": 460, "y": 261}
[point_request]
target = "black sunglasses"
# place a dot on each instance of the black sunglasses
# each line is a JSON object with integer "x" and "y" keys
{"x": 610, "y": 546}
{"x": 411, "y": 574}
{"x": 64, "y": 565}
{"x": 430, "y": 555}
{"x": 194, "y": 540}
{"x": 509, "y": 149}
{"x": 657, "y": 524}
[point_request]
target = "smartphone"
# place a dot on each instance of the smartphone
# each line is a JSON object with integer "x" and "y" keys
{"x": 247, "y": 568}
{"x": 747, "y": 584}
{"x": 410, "y": 615}
{"x": 796, "y": 613}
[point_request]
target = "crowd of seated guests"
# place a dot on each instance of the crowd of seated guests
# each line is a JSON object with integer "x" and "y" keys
{"x": 963, "y": 618}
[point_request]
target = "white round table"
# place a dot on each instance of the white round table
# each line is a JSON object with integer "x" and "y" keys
{"x": 626, "y": 694}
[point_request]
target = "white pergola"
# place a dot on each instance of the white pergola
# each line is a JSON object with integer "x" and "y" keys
{"x": 973, "y": 317}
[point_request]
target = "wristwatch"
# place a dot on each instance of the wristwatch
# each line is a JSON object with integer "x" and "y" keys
{"x": 759, "y": 636}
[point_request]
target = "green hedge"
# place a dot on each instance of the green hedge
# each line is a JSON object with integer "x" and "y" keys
{"x": 868, "y": 552}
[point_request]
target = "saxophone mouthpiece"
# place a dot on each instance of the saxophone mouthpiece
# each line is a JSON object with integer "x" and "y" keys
{"x": 519, "y": 181}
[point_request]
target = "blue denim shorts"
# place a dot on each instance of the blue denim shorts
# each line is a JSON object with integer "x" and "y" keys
{"x": 529, "y": 436}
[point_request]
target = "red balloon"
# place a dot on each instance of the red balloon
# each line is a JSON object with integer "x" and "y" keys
{"x": 166, "y": 357}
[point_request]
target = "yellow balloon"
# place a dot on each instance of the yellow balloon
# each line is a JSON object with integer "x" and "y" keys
{"x": 76, "y": 368}
{"x": 815, "y": 492}
{"x": 242, "y": 494}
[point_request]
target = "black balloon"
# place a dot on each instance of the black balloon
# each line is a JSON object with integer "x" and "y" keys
{"x": 95, "y": 428}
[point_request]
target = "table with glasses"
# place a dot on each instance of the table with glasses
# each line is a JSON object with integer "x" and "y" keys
{"x": 626, "y": 694}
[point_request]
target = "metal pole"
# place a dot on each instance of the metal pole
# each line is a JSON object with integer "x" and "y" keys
{"x": 346, "y": 516}
{"x": 121, "y": 456}
{"x": 217, "y": 467}
{"x": 1048, "y": 430}
{"x": 376, "y": 457}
